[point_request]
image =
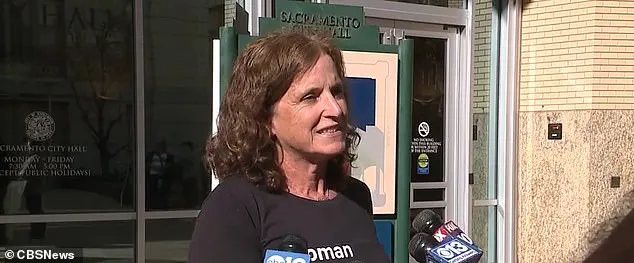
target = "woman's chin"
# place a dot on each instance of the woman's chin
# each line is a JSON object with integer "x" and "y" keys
{"x": 331, "y": 151}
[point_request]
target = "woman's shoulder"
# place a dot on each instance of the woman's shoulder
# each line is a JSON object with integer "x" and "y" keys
{"x": 229, "y": 222}
{"x": 357, "y": 191}
{"x": 235, "y": 196}
{"x": 234, "y": 186}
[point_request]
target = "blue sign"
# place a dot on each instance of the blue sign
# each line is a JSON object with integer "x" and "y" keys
{"x": 385, "y": 234}
{"x": 422, "y": 170}
{"x": 362, "y": 101}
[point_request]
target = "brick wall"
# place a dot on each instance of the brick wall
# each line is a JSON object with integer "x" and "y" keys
{"x": 482, "y": 55}
{"x": 456, "y": 4}
{"x": 613, "y": 67}
{"x": 577, "y": 55}
{"x": 230, "y": 11}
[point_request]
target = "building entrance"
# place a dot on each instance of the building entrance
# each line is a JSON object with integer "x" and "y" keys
{"x": 435, "y": 178}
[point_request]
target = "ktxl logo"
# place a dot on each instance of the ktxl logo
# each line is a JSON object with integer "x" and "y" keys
{"x": 451, "y": 226}
{"x": 441, "y": 234}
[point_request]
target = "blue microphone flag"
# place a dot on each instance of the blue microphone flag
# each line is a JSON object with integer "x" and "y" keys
{"x": 277, "y": 256}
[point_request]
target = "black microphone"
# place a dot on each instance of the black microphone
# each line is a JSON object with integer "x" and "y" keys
{"x": 424, "y": 224}
{"x": 420, "y": 245}
{"x": 452, "y": 244}
{"x": 293, "y": 243}
{"x": 427, "y": 221}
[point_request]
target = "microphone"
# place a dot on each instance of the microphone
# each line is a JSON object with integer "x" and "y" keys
{"x": 455, "y": 250}
{"x": 427, "y": 222}
{"x": 450, "y": 243}
{"x": 420, "y": 246}
{"x": 451, "y": 230}
{"x": 293, "y": 249}
{"x": 293, "y": 243}
{"x": 424, "y": 224}
{"x": 455, "y": 245}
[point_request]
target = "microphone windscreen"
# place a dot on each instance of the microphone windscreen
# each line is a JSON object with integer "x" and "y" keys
{"x": 420, "y": 245}
{"x": 294, "y": 243}
{"x": 427, "y": 221}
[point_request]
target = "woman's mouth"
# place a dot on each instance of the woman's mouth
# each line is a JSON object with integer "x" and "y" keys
{"x": 329, "y": 131}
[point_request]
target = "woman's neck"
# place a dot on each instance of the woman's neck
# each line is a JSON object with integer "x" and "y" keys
{"x": 306, "y": 179}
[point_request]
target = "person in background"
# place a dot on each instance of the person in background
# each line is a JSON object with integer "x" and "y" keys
{"x": 159, "y": 169}
{"x": 283, "y": 138}
{"x": 189, "y": 164}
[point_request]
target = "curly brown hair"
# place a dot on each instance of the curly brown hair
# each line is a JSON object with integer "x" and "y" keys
{"x": 262, "y": 73}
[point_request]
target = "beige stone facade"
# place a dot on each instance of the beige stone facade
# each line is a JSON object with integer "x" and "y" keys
{"x": 577, "y": 68}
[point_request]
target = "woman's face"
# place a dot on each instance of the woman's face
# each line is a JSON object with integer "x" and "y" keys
{"x": 309, "y": 119}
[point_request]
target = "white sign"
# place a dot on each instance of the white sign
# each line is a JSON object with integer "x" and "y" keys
{"x": 423, "y": 129}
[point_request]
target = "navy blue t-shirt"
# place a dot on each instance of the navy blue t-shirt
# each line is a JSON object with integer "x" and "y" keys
{"x": 239, "y": 221}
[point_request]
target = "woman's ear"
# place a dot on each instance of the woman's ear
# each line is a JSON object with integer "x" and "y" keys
{"x": 269, "y": 125}
{"x": 271, "y": 130}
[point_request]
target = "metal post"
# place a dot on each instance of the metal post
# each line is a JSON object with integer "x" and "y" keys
{"x": 139, "y": 130}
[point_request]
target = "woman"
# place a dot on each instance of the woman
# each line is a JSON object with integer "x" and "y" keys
{"x": 282, "y": 142}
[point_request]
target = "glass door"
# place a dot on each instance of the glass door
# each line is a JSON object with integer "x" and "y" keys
{"x": 435, "y": 176}
{"x": 439, "y": 152}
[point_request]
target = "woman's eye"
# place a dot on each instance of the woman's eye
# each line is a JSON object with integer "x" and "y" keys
{"x": 309, "y": 97}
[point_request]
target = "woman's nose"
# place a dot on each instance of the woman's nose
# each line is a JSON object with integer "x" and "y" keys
{"x": 332, "y": 106}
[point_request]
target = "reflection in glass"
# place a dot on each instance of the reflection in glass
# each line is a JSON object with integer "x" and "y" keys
{"x": 99, "y": 241}
{"x": 484, "y": 144}
{"x": 66, "y": 100}
{"x": 484, "y": 231}
{"x": 167, "y": 240}
{"x": 178, "y": 100}
{"x": 484, "y": 107}
{"x": 427, "y": 154}
{"x": 441, "y": 3}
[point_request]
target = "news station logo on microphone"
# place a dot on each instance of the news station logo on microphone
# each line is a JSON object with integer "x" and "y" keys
{"x": 277, "y": 256}
{"x": 454, "y": 250}
{"x": 455, "y": 245}
{"x": 440, "y": 242}
{"x": 292, "y": 249}
{"x": 450, "y": 229}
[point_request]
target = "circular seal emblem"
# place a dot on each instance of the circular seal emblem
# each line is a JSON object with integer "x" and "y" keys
{"x": 423, "y": 160}
{"x": 40, "y": 126}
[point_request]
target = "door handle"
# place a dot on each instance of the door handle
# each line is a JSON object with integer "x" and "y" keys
{"x": 399, "y": 35}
